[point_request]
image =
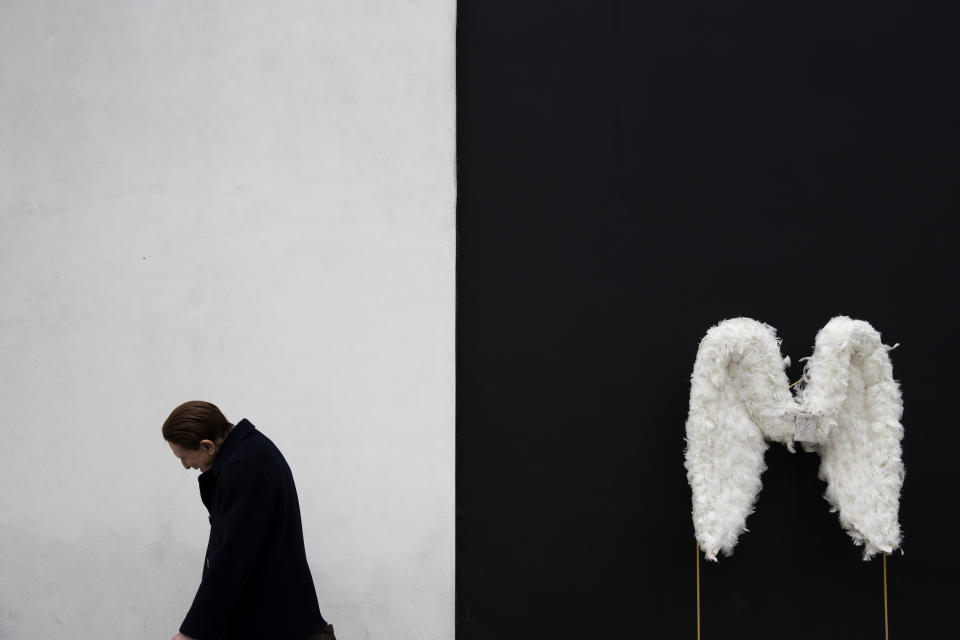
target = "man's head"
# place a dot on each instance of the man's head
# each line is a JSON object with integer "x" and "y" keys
{"x": 195, "y": 430}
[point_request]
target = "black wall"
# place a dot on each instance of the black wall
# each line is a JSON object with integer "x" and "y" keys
{"x": 629, "y": 175}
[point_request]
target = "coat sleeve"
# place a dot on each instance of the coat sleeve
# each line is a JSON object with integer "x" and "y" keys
{"x": 243, "y": 515}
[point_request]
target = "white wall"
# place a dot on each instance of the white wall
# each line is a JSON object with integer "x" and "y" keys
{"x": 240, "y": 201}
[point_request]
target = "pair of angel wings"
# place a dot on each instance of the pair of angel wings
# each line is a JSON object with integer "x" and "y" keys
{"x": 740, "y": 399}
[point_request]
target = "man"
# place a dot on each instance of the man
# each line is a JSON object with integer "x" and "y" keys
{"x": 256, "y": 582}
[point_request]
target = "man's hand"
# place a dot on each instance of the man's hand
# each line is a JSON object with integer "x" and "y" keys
{"x": 180, "y": 636}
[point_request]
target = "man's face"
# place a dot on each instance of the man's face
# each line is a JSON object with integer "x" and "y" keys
{"x": 201, "y": 458}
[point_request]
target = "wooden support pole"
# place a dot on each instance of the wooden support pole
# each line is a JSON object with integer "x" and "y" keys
{"x": 698, "y": 591}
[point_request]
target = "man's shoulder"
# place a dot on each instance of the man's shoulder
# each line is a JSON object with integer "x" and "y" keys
{"x": 255, "y": 443}
{"x": 257, "y": 450}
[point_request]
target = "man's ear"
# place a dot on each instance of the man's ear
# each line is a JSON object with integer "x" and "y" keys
{"x": 208, "y": 446}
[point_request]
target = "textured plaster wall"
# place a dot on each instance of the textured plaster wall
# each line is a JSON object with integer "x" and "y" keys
{"x": 250, "y": 203}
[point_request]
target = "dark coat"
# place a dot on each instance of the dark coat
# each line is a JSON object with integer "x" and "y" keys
{"x": 256, "y": 582}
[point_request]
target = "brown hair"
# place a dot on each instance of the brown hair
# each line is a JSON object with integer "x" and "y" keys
{"x": 194, "y": 421}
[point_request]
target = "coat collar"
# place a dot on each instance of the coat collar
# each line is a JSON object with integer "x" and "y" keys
{"x": 243, "y": 429}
